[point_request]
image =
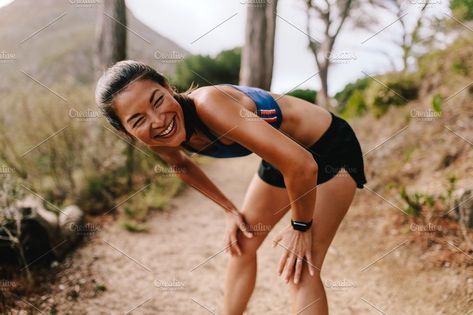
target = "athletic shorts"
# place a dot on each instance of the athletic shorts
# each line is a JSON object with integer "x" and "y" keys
{"x": 338, "y": 147}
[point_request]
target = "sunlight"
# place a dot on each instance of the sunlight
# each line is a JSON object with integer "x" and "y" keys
{"x": 5, "y": 2}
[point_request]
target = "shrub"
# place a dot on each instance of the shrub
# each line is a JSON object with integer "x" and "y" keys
{"x": 395, "y": 91}
{"x": 305, "y": 94}
{"x": 462, "y": 9}
{"x": 204, "y": 70}
{"x": 419, "y": 202}
{"x": 355, "y": 106}
{"x": 344, "y": 95}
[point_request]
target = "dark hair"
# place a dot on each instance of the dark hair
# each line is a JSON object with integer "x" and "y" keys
{"x": 120, "y": 75}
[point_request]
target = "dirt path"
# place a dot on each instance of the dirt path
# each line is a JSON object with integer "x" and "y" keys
{"x": 178, "y": 267}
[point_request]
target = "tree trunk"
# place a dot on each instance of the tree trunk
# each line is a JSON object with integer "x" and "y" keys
{"x": 322, "y": 49}
{"x": 258, "y": 52}
{"x": 111, "y": 29}
{"x": 323, "y": 98}
{"x": 111, "y": 48}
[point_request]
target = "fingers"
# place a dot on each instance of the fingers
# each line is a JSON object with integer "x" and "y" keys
{"x": 297, "y": 274}
{"x": 244, "y": 228}
{"x": 230, "y": 244}
{"x": 289, "y": 268}
{"x": 310, "y": 263}
{"x": 282, "y": 262}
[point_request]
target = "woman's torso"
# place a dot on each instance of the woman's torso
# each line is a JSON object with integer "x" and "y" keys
{"x": 304, "y": 122}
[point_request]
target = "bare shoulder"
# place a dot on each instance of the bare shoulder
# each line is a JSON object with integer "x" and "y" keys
{"x": 205, "y": 97}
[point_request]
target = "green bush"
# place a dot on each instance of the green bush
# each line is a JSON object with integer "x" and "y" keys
{"x": 344, "y": 95}
{"x": 99, "y": 193}
{"x": 462, "y": 9}
{"x": 204, "y": 70}
{"x": 416, "y": 201}
{"x": 437, "y": 103}
{"x": 376, "y": 94}
{"x": 392, "y": 90}
{"x": 305, "y": 94}
{"x": 355, "y": 106}
{"x": 460, "y": 66}
{"x": 450, "y": 62}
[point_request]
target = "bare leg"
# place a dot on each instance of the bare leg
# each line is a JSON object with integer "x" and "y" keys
{"x": 261, "y": 202}
{"x": 333, "y": 201}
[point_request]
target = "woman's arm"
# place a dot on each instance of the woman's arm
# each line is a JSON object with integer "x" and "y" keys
{"x": 191, "y": 173}
{"x": 222, "y": 113}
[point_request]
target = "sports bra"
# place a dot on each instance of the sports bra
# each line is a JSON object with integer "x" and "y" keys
{"x": 266, "y": 108}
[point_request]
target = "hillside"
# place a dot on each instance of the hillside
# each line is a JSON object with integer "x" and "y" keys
{"x": 419, "y": 161}
{"x": 54, "y": 41}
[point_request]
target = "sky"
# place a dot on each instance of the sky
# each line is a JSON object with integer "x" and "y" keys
{"x": 209, "y": 26}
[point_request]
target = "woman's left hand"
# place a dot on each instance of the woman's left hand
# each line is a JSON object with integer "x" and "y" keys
{"x": 296, "y": 245}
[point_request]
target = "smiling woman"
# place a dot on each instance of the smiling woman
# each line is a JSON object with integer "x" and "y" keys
{"x": 129, "y": 82}
{"x": 302, "y": 146}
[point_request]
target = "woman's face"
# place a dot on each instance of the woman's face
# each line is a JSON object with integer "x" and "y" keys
{"x": 149, "y": 112}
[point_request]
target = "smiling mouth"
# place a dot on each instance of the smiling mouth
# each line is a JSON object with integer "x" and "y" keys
{"x": 169, "y": 130}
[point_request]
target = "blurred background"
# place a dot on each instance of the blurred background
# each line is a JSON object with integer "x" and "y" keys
{"x": 401, "y": 72}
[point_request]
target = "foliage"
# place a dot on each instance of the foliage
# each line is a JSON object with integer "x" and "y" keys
{"x": 344, "y": 95}
{"x": 417, "y": 202}
{"x": 305, "y": 94}
{"x": 462, "y": 9}
{"x": 437, "y": 103}
{"x": 460, "y": 66}
{"x": 135, "y": 227}
{"x": 355, "y": 106}
{"x": 204, "y": 70}
{"x": 376, "y": 94}
{"x": 391, "y": 90}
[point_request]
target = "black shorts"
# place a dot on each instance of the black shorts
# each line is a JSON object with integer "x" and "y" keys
{"x": 338, "y": 147}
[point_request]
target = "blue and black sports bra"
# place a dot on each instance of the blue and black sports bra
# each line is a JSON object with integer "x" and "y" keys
{"x": 266, "y": 108}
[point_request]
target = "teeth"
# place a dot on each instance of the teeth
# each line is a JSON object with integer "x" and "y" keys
{"x": 168, "y": 129}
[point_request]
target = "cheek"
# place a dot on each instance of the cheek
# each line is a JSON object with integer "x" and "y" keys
{"x": 141, "y": 133}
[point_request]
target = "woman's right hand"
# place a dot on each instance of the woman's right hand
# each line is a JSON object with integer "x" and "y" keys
{"x": 234, "y": 222}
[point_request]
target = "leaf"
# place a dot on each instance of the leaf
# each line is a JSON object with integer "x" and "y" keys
{"x": 437, "y": 103}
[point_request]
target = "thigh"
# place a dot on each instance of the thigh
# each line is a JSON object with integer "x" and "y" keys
{"x": 264, "y": 205}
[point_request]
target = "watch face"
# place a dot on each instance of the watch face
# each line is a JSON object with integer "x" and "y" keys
{"x": 301, "y": 226}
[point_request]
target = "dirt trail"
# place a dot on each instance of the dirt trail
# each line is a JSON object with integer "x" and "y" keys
{"x": 178, "y": 267}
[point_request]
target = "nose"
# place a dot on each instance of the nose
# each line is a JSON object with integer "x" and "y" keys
{"x": 158, "y": 121}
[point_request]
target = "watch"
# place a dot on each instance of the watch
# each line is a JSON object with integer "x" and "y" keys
{"x": 301, "y": 226}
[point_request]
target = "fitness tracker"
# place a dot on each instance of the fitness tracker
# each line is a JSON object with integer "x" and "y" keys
{"x": 301, "y": 226}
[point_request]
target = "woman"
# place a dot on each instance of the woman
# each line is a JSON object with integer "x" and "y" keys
{"x": 306, "y": 152}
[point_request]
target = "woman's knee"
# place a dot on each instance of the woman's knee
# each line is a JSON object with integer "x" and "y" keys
{"x": 249, "y": 246}
{"x": 306, "y": 281}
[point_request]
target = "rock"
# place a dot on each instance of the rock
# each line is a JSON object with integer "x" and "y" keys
{"x": 43, "y": 231}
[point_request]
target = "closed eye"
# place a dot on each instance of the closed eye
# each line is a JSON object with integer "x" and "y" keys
{"x": 159, "y": 100}
{"x": 138, "y": 122}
